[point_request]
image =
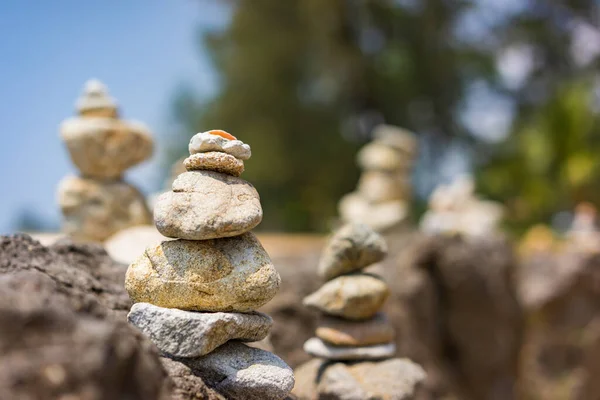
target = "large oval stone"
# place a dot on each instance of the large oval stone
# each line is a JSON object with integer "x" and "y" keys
{"x": 207, "y": 205}
{"x": 103, "y": 148}
{"x": 355, "y": 297}
{"x": 227, "y": 274}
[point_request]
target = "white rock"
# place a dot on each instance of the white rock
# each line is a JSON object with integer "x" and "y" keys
{"x": 204, "y": 142}
{"x": 319, "y": 348}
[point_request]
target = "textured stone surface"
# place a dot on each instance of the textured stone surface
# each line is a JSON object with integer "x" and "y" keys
{"x": 207, "y": 205}
{"x": 214, "y": 161}
{"x": 245, "y": 373}
{"x": 319, "y": 348}
{"x": 94, "y": 210}
{"x": 186, "y": 385}
{"x": 205, "y": 141}
{"x": 354, "y": 207}
{"x": 381, "y": 186}
{"x": 397, "y": 379}
{"x": 340, "y": 332}
{"x": 103, "y": 148}
{"x": 355, "y": 297}
{"x": 63, "y": 333}
{"x": 227, "y": 274}
{"x": 193, "y": 334}
{"x": 351, "y": 248}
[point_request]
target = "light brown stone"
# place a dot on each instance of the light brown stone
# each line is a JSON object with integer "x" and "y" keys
{"x": 355, "y": 297}
{"x": 227, "y": 274}
{"x": 206, "y": 205}
{"x": 383, "y": 186}
{"x": 103, "y": 148}
{"x": 339, "y": 332}
{"x": 214, "y": 161}
{"x": 94, "y": 210}
{"x": 379, "y": 157}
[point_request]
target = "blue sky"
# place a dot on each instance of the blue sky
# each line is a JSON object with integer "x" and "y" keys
{"x": 141, "y": 49}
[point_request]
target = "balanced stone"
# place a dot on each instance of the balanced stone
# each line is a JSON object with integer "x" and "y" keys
{"x": 227, "y": 274}
{"x": 351, "y": 248}
{"x": 319, "y": 348}
{"x": 193, "y": 334}
{"x": 340, "y": 332}
{"x": 379, "y": 216}
{"x": 397, "y": 138}
{"x": 215, "y": 161}
{"x": 355, "y": 297}
{"x": 383, "y": 186}
{"x": 217, "y": 140}
{"x": 95, "y": 210}
{"x": 207, "y": 205}
{"x": 379, "y": 157}
{"x": 101, "y": 145}
{"x": 240, "y": 372}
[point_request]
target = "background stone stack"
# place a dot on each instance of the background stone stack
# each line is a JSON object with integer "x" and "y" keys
{"x": 352, "y": 327}
{"x": 384, "y": 190}
{"x": 456, "y": 209}
{"x": 196, "y": 296}
{"x": 98, "y": 203}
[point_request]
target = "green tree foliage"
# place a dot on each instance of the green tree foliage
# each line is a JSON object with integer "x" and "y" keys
{"x": 303, "y": 81}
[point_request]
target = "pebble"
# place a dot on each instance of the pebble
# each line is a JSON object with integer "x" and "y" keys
{"x": 214, "y": 161}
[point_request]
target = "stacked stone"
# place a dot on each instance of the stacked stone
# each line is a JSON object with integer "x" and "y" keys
{"x": 354, "y": 339}
{"x": 384, "y": 190}
{"x": 99, "y": 203}
{"x": 196, "y": 296}
{"x": 352, "y": 326}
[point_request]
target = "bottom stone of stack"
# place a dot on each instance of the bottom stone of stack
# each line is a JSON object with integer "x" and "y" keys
{"x": 241, "y": 372}
{"x": 181, "y": 333}
{"x": 318, "y": 348}
{"x": 94, "y": 210}
{"x": 395, "y": 379}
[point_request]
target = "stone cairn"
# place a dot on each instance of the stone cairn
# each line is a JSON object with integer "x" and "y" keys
{"x": 455, "y": 209}
{"x": 354, "y": 340}
{"x": 196, "y": 296}
{"x": 384, "y": 190}
{"x": 98, "y": 203}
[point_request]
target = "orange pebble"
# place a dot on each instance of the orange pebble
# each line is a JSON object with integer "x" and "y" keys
{"x": 223, "y": 134}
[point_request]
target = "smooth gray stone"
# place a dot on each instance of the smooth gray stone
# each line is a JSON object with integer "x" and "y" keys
{"x": 319, "y": 348}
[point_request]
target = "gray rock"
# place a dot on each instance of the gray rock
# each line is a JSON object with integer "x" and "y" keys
{"x": 351, "y": 248}
{"x": 319, "y": 348}
{"x": 355, "y": 297}
{"x": 193, "y": 334}
{"x": 207, "y": 205}
{"x": 241, "y": 372}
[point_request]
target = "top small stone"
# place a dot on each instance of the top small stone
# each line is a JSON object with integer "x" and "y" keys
{"x": 218, "y": 140}
{"x": 353, "y": 247}
{"x": 95, "y": 101}
{"x": 398, "y": 138}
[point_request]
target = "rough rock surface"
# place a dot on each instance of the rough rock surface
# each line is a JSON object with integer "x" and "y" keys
{"x": 64, "y": 332}
{"x": 214, "y": 161}
{"x": 355, "y": 297}
{"x": 227, "y": 274}
{"x": 395, "y": 379}
{"x": 193, "y": 334}
{"x": 103, "y": 148}
{"x": 245, "y": 373}
{"x": 319, "y": 348}
{"x": 351, "y": 248}
{"x": 96, "y": 210}
{"x": 207, "y": 205}
{"x": 340, "y": 332}
{"x": 186, "y": 384}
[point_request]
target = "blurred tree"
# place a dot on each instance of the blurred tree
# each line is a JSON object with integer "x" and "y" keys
{"x": 304, "y": 82}
{"x": 549, "y": 161}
